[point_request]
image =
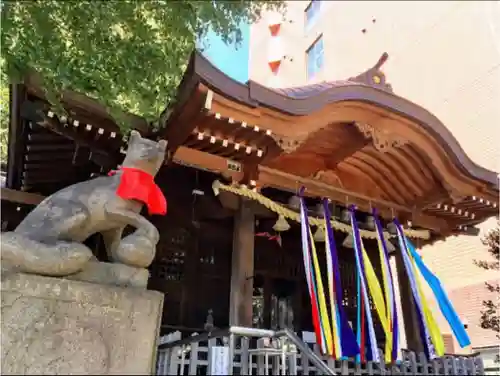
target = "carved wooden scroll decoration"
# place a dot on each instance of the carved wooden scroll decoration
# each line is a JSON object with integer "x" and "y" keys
{"x": 288, "y": 144}
{"x": 382, "y": 140}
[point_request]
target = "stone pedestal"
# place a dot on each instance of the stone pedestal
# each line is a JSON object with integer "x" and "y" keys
{"x": 55, "y": 326}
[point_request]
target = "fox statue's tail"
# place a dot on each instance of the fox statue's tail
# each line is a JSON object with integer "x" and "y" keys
{"x": 27, "y": 255}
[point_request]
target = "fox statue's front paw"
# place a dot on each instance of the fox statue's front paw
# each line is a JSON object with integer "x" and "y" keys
{"x": 60, "y": 259}
{"x": 136, "y": 249}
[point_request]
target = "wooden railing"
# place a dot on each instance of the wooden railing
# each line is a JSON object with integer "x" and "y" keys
{"x": 247, "y": 351}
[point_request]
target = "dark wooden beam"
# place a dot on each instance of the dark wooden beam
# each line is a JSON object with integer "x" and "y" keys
{"x": 53, "y": 158}
{"x": 21, "y": 197}
{"x": 45, "y": 137}
{"x": 284, "y": 181}
{"x": 204, "y": 161}
{"x": 469, "y": 230}
{"x": 50, "y": 148}
{"x": 230, "y": 201}
{"x": 181, "y": 123}
{"x": 30, "y": 180}
{"x": 34, "y": 112}
{"x": 54, "y": 172}
{"x": 273, "y": 178}
{"x": 431, "y": 198}
{"x": 80, "y": 103}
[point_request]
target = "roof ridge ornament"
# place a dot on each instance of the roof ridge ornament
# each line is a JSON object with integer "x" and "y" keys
{"x": 374, "y": 76}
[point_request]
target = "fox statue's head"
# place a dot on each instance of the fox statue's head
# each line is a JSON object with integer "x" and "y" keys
{"x": 144, "y": 154}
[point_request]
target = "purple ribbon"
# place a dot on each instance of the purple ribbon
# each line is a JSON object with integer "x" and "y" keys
{"x": 347, "y": 339}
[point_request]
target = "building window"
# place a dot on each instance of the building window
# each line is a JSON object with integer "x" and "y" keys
{"x": 315, "y": 58}
{"x": 312, "y": 13}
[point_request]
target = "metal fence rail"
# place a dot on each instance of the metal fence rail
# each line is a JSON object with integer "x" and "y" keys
{"x": 250, "y": 351}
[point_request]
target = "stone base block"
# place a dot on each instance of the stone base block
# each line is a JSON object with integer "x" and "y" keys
{"x": 112, "y": 274}
{"x": 53, "y": 326}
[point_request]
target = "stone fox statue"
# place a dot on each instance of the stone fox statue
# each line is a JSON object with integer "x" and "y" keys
{"x": 49, "y": 240}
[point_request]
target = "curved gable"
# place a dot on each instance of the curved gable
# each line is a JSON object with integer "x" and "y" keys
{"x": 305, "y": 101}
{"x": 353, "y": 135}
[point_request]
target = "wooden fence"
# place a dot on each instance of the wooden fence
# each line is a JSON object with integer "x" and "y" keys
{"x": 277, "y": 356}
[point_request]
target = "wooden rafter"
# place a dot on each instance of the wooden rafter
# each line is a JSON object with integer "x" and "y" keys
{"x": 84, "y": 107}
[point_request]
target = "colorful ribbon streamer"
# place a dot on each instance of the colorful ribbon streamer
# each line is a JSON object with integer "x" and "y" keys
{"x": 320, "y": 293}
{"x": 359, "y": 321}
{"x": 333, "y": 333}
{"x": 385, "y": 307}
{"x": 444, "y": 303}
{"x": 429, "y": 331}
{"x": 378, "y": 299}
{"x": 391, "y": 343}
{"x": 306, "y": 246}
{"x": 345, "y": 334}
{"x": 371, "y": 350}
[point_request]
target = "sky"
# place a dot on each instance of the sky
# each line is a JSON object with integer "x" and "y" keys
{"x": 230, "y": 59}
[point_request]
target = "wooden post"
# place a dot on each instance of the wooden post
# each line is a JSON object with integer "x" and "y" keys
{"x": 17, "y": 135}
{"x": 410, "y": 317}
{"x": 242, "y": 266}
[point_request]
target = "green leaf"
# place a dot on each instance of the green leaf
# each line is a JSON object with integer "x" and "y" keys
{"x": 128, "y": 54}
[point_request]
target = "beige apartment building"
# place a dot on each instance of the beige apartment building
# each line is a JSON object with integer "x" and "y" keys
{"x": 444, "y": 56}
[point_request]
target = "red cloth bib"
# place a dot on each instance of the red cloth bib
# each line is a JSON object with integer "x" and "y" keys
{"x": 138, "y": 185}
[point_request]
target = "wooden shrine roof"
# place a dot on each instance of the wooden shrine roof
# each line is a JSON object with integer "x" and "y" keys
{"x": 351, "y": 140}
{"x": 354, "y": 141}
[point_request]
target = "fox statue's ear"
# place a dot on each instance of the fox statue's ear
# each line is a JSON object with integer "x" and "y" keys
{"x": 134, "y": 136}
{"x": 163, "y": 144}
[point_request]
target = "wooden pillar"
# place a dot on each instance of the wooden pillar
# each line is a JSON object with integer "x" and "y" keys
{"x": 410, "y": 317}
{"x": 242, "y": 266}
{"x": 17, "y": 136}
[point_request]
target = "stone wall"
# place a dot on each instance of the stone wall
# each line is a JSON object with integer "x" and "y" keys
{"x": 56, "y": 326}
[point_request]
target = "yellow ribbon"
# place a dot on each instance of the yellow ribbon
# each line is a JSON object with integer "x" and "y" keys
{"x": 388, "y": 307}
{"x": 378, "y": 301}
{"x": 435, "y": 333}
{"x": 325, "y": 322}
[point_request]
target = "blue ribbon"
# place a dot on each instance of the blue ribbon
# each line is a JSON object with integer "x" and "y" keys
{"x": 424, "y": 331}
{"x": 444, "y": 303}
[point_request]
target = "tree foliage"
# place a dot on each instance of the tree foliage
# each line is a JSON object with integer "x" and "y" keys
{"x": 4, "y": 119}
{"x": 490, "y": 314}
{"x": 128, "y": 54}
